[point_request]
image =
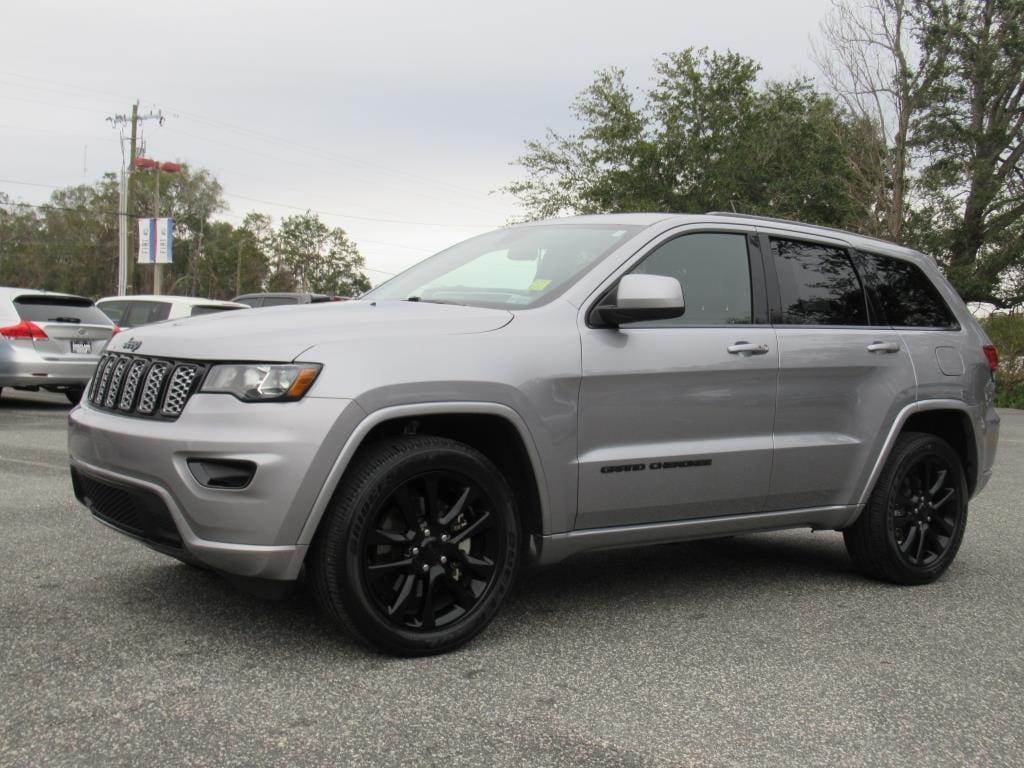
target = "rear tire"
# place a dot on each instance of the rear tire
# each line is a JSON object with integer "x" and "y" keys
{"x": 913, "y": 524}
{"x": 418, "y": 548}
{"x": 74, "y": 394}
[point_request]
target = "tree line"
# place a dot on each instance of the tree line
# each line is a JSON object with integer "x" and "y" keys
{"x": 70, "y": 243}
{"x": 914, "y": 136}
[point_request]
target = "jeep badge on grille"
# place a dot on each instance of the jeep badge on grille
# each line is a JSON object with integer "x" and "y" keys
{"x": 131, "y": 345}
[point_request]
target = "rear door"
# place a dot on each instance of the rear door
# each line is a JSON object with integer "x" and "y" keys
{"x": 842, "y": 381}
{"x": 74, "y": 327}
{"x": 676, "y": 415}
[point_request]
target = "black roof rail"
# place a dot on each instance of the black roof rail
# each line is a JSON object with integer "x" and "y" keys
{"x": 777, "y": 220}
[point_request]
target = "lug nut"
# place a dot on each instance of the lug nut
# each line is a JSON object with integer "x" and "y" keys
{"x": 415, "y": 551}
{"x": 444, "y": 537}
{"x": 424, "y": 567}
{"x": 443, "y": 559}
{"x": 426, "y": 531}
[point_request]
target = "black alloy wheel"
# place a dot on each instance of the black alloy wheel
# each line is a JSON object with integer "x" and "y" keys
{"x": 429, "y": 556}
{"x": 419, "y": 546}
{"x": 913, "y": 524}
{"x": 925, "y": 510}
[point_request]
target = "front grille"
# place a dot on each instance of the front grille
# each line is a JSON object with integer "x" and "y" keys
{"x": 141, "y": 386}
{"x": 132, "y": 510}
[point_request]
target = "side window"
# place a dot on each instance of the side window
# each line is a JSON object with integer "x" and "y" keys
{"x": 278, "y": 301}
{"x": 114, "y": 310}
{"x": 714, "y": 272}
{"x": 908, "y": 297}
{"x": 145, "y": 312}
{"x": 818, "y": 285}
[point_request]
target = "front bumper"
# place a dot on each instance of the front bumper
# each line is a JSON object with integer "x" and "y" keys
{"x": 251, "y": 532}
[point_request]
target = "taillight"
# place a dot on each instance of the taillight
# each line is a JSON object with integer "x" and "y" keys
{"x": 992, "y": 354}
{"x": 117, "y": 330}
{"x": 26, "y": 329}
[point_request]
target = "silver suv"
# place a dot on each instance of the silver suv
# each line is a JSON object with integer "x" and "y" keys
{"x": 545, "y": 390}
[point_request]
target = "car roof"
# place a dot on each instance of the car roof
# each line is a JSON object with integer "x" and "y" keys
{"x": 859, "y": 241}
{"x": 10, "y": 292}
{"x": 191, "y": 300}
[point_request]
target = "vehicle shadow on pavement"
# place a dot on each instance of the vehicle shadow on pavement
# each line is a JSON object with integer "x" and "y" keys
{"x": 15, "y": 403}
{"x": 585, "y": 591}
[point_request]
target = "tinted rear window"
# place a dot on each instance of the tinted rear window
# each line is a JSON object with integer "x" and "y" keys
{"x": 277, "y": 301}
{"x": 146, "y": 312}
{"x": 908, "y": 297}
{"x": 59, "y": 309}
{"x": 209, "y": 309}
{"x": 818, "y": 285}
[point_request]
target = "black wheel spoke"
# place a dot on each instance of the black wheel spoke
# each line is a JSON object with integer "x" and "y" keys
{"x": 941, "y": 502}
{"x": 432, "y": 500}
{"x": 920, "y": 546}
{"x": 427, "y": 618}
{"x": 406, "y": 505}
{"x": 481, "y": 567}
{"x": 383, "y": 570}
{"x": 457, "y": 508}
{"x": 478, "y": 526}
{"x": 380, "y": 537}
{"x": 404, "y": 596}
{"x": 908, "y": 538}
{"x": 463, "y": 597}
{"x": 946, "y": 527}
{"x": 940, "y": 479}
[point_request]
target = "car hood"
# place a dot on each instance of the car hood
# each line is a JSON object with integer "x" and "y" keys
{"x": 277, "y": 334}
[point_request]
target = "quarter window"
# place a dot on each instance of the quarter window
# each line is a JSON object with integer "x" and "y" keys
{"x": 714, "y": 272}
{"x": 908, "y": 297}
{"x": 818, "y": 285}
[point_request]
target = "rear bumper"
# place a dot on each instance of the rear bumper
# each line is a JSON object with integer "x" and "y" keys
{"x": 27, "y": 368}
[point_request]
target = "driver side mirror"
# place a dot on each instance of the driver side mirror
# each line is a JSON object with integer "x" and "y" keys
{"x": 643, "y": 297}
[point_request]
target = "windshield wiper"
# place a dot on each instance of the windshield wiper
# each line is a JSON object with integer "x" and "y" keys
{"x": 434, "y": 301}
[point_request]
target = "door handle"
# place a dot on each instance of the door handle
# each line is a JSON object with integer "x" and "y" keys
{"x": 883, "y": 346}
{"x": 746, "y": 349}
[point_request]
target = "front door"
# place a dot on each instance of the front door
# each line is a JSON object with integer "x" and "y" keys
{"x": 676, "y": 415}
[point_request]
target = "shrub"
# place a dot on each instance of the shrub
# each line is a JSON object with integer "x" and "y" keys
{"x": 1007, "y": 333}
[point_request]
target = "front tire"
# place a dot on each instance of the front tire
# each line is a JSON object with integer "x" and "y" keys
{"x": 74, "y": 394}
{"x": 418, "y": 548}
{"x": 913, "y": 524}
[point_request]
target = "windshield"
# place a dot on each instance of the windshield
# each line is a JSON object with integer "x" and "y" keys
{"x": 508, "y": 268}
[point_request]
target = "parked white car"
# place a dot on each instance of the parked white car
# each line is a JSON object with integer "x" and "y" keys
{"x": 132, "y": 311}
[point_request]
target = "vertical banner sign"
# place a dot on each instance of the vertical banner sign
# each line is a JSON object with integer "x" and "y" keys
{"x": 156, "y": 241}
{"x": 147, "y": 241}
{"x": 164, "y": 251}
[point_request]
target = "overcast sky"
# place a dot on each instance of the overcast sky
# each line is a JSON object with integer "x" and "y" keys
{"x": 405, "y": 111}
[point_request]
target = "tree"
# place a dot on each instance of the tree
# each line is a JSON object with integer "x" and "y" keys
{"x": 972, "y": 133}
{"x": 868, "y": 56}
{"x": 704, "y": 137}
{"x": 318, "y": 258}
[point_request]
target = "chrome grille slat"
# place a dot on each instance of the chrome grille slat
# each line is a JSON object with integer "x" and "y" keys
{"x": 131, "y": 384}
{"x": 102, "y": 378}
{"x": 110, "y": 398}
{"x": 179, "y": 389}
{"x": 144, "y": 387}
{"x": 151, "y": 389}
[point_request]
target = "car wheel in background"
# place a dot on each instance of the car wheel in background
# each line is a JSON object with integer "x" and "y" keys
{"x": 74, "y": 394}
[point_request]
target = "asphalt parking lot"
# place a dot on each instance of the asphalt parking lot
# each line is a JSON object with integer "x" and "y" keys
{"x": 757, "y": 650}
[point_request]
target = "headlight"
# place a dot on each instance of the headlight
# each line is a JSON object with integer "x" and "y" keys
{"x": 261, "y": 382}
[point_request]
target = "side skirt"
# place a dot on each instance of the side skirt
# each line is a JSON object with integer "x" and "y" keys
{"x": 558, "y": 546}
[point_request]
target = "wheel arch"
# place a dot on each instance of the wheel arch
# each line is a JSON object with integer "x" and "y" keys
{"x": 495, "y": 430}
{"x": 948, "y": 419}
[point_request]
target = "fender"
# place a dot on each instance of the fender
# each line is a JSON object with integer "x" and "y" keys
{"x": 894, "y": 432}
{"x": 412, "y": 410}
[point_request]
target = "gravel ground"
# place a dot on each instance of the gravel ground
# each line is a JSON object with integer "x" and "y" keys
{"x": 757, "y": 650}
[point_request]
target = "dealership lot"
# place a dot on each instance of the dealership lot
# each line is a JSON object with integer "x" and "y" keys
{"x": 756, "y": 650}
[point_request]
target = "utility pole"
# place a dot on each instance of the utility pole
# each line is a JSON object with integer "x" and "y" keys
{"x": 124, "y": 270}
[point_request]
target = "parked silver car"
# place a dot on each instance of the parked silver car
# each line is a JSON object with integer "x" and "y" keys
{"x": 544, "y": 390}
{"x": 50, "y": 340}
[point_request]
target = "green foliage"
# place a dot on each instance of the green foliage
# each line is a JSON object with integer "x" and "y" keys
{"x": 704, "y": 137}
{"x": 70, "y": 243}
{"x": 1007, "y": 333}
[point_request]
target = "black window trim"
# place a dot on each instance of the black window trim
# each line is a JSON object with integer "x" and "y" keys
{"x": 756, "y": 270}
